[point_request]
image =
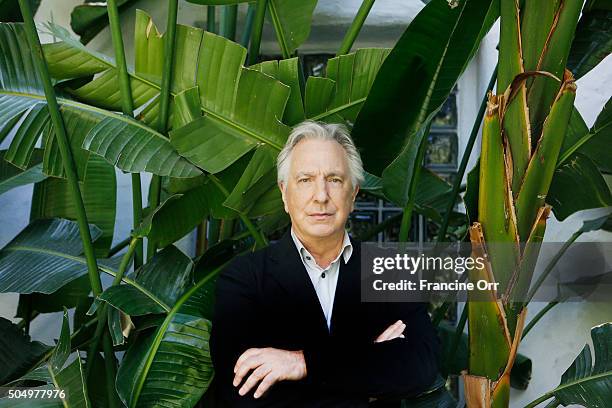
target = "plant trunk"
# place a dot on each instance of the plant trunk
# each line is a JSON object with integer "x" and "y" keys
{"x": 523, "y": 131}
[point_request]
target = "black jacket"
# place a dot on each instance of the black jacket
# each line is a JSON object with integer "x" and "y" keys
{"x": 266, "y": 299}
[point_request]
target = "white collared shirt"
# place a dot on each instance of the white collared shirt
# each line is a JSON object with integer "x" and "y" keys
{"x": 324, "y": 280}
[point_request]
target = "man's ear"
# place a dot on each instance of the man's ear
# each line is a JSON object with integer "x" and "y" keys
{"x": 282, "y": 188}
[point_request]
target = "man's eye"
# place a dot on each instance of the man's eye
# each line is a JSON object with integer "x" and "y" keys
{"x": 336, "y": 180}
{"x": 303, "y": 180}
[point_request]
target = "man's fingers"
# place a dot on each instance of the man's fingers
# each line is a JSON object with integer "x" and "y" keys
{"x": 393, "y": 331}
{"x": 247, "y": 365}
{"x": 264, "y": 385}
{"x": 244, "y": 356}
{"x": 384, "y": 336}
{"x": 253, "y": 379}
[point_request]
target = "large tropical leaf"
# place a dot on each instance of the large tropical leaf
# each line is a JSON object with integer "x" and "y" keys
{"x": 17, "y": 352}
{"x": 90, "y": 18}
{"x": 52, "y": 199}
{"x": 577, "y": 185}
{"x": 156, "y": 285}
{"x": 412, "y": 84}
{"x": 41, "y": 258}
{"x": 23, "y": 110}
{"x": 69, "y": 378}
{"x": 592, "y": 143}
{"x": 586, "y": 382}
{"x": 291, "y": 18}
{"x": 12, "y": 176}
{"x": 172, "y": 365}
{"x": 593, "y": 38}
{"x": 234, "y": 121}
{"x": 418, "y": 75}
{"x": 341, "y": 94}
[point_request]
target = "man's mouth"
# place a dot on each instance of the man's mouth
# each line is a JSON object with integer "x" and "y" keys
{"x": 320, "y": 216}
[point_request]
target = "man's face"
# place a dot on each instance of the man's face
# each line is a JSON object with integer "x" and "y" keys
{"x": 318, "y": 194}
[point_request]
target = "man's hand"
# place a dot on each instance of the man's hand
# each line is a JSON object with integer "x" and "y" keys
{"x": 392, "y": 332}
{"x": 269, "y": 365}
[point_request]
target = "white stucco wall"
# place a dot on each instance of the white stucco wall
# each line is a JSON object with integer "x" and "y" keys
{"x": 559, "y": 337}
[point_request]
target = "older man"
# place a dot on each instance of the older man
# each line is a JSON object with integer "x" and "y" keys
{"x": 289, "y": 327}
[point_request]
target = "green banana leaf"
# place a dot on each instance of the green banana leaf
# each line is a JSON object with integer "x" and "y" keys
{"x": 291, "y": 19}
{"x": 577, "y": 185}
{"x": 586, "y": 382}
{"x": 23, "y": 110}
{"x": 592, "y": 143}
{"x": 412, "y": 85}
{"x": 418, "y": 75}
{"x": 178, "y": 349}
{"x": 12, "y": 176}
{"x": 88, "y": 19}
{"x": 593, "y": 38}
{"x": 159, "y": 284}
{"x": 547, "y": 30}
{"x": 286, "y": 71}
{"x": 69, "y": 378}
{"x": 18, "y": 353}
{"x": 52, "y": 199}
{"x": 42, "y": 257}
{"x": 69, "y": 296}
{"x": 340, "y": 95}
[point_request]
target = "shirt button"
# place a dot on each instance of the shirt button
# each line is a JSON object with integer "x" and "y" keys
{"x": 308, "y": 258}
{"x": 323, "y": 275}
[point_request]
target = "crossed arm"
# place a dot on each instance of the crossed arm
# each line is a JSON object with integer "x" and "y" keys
{"x": 269, "y": 365}
{"x": 398, "y": 363}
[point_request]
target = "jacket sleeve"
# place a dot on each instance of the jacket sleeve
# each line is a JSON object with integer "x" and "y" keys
{"x": 398, "y": 368}
{"x": 234, "y": 327}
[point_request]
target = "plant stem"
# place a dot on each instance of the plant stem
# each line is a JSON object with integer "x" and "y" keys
{"x": 210, "y": 19}
{"x": 164, "y": 104}
{"x": 248, "y": 26}
{"x": 278, "y": 29}
{"x": 355, "y": 28}
{"x": 537, "y": 317}
{"x": 63, "y": 145}
{"x": 438, "y": 315}
{"x": 102, "y": 313}
{"x": 407, "y": 215}
{"x": 260, "y": 13}
{"x": 227, "y": 27}
{"x": 119, "y": 246}
{"x": 260, "y": 239}
{"x": 201, "y": 241}
{"x": 552, "y": 264}
{"x": 64, "y": 148}
{"x": 110, "y": 365}
{"x": 127, "y": 104}
{"x": 22, "y": 323}
{"x": 465, "y": 159}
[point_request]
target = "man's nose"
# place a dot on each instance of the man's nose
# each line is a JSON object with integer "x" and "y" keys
{"x": 320, "y": 194}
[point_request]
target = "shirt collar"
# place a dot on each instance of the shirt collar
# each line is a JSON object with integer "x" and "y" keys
{"x": 346, "y": 251}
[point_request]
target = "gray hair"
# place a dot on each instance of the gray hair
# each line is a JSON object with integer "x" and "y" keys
{"x": 309, "y": 129}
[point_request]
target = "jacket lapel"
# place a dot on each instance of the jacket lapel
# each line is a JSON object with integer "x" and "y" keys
{"x": 289, "y": 271}
{"x": 347, "y": 289}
